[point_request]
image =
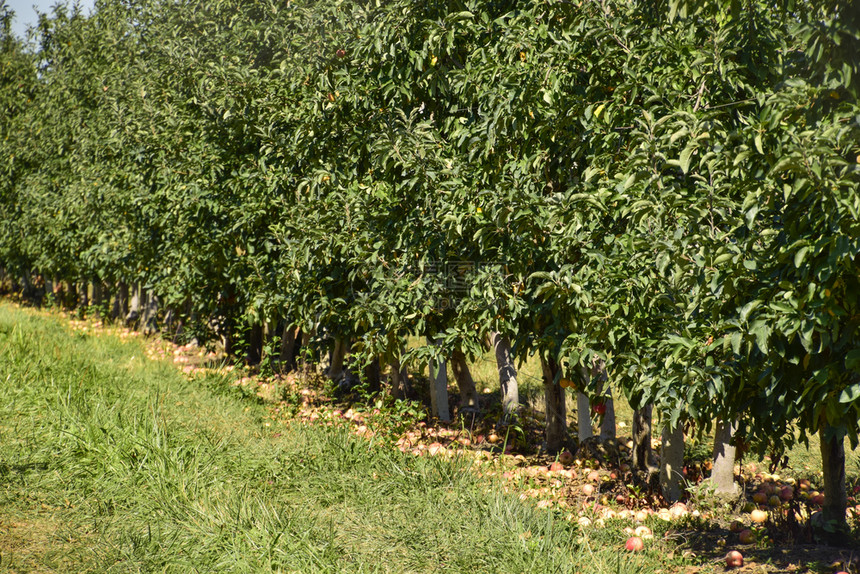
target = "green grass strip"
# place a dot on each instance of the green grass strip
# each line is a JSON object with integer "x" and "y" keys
{"x": 113, "y": 463}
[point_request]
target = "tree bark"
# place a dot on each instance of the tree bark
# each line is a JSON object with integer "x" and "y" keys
{"x": 71, "y": 302}
{"x": 84, "y": 293}
{"x": 98, "y": 298}
{"x": 120, "y": 305}
{"x": 672, "y": 462}
{"x": 507, "y": 374}
{"x": 304, "y": 359}
{"x": 401, "y": 388}
{"x": 150, "y": 314}
{"x": 556, "y": 410}
{"x": 287, "y": 356}
{"x": 439, "y": 388}
{"x": 132, "y": 318}
{"x": 373, "y": 376}
{"x": 468, "y": 392}
{"x": 583, "y": 417}
{"x": 335, "y": 370}
{"x": 643, "y": 457}
{"x": 607, "y": 425}
{"x": 835, "y": 494}
{"x": 723, "y": 473}
{"x": 255, "y": 344}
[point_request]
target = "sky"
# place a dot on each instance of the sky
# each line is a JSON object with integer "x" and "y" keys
{"x": 25, "y": 14}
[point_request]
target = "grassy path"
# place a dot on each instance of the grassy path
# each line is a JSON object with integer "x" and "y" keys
{"x": 113, "y": 463}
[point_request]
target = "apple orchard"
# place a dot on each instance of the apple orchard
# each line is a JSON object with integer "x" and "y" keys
{"x": 653, "y": 199}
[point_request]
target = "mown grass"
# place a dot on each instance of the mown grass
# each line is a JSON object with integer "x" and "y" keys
{"x": 113, "y": 463}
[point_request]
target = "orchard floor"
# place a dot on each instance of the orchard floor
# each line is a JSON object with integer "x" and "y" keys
{"x": 119, "y": 454}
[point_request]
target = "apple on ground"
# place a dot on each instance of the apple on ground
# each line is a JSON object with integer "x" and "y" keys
{"x": 734, "y": 559}
{"x": 758, "y": 516}
{"x": 746, "y": 536}
{"x": 634, "y": 544}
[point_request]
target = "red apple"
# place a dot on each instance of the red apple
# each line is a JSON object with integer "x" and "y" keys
{"x": 746, "y": 536}
{"x": 734, "y": 559}
{"x": 598, "y": 408}
{"x": 341, "y": 53}
{"x": 587, "y": 489}
{"x": 566, "y": 458}
{"x": 736, "y": 526}
{"x": 786, "y": 493}
{"x": 634, "y": 544}
{"x": 556, "y": 466}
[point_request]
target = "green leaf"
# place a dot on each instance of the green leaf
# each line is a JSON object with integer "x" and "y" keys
{"x": 800, "y": 256}
{"x": 850, "y": 394}
{"x": 852, "y": 360}
{"x": 685, "y": 158}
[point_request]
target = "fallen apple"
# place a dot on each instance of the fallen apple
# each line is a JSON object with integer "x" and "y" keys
{"x": 341, "y": 53}
{"x": 736, "y": 526}
{"x": 587, "y": 489}
{"x": 758, "y": 516}
{"x": 566, "y": 458}
{"x": 634, "y": 544}
{"x": 556, "y": 466}
{"x": 643, "y": 532}
{"x": 746, "y": 536}
{"x": 734, "y": 559}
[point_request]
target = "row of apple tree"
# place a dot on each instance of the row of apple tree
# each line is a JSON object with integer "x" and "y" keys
{"x": 662, "y": 193}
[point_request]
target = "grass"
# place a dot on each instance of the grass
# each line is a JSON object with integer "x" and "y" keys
{"x": 110, "y": 462}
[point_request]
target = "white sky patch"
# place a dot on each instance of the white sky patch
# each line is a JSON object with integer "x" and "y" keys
{"x": 26, "y": 14}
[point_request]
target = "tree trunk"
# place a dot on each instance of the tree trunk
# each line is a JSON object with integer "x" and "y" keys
{"x": 607, "y": 425}
{"x": 439, "y": 388}
{"x": 373, "y": 376}
{"x": 287, "y": 356}
{"x": 400, "y": 385}
{"x": 84, "y": 292}
{"x": 583, "y": 417}
{"x": 833, "y": 465}
{"x": 150, "y": 314}
{"x": 335, "y": 370}
{"x": 255, "y": 344}
{"x": 672, "y": 462}
{"x": 72, "y": 296}
{"x": 556, "y": 410}
{"x": 507, "y": 374}
{"x": 468, "y": 393}
{"x": 723, "y": 473}
{"x": 120, "y": 304}
{"x": 98, "y": 298}
{"x": 643, "y": 457}
{"x": 132, "y": 318}
{"x": 303, "y": 353}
